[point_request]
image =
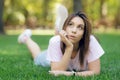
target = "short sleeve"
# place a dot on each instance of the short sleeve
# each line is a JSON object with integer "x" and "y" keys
{"x": 95, "y": 50}
{"x": 54, "y": 52}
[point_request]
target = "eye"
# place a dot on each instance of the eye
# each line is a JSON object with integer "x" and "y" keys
{"x": 81, "y": 27}
{"x": 70, "y": 23}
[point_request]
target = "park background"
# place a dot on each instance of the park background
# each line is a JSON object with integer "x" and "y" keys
{"x": 39, "y": 15}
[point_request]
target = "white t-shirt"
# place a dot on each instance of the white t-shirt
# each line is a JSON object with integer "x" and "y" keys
{"x": 54, "y": 53}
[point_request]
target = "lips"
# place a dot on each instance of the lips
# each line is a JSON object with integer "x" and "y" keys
{"x": 71, "y": 37}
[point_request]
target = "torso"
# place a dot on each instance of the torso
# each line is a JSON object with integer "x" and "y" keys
{"x": 73, "y": 54}
{"x": 95, "y": 52}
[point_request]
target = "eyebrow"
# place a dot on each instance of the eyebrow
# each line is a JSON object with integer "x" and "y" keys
{"x": 70, "y": 21}
{"x": 81, "y": 25}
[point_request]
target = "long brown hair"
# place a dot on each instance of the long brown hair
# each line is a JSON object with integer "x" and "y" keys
{"x": 84, "y": 42}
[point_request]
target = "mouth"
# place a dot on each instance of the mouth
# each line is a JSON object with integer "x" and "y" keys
{"x": 71, "y": 37}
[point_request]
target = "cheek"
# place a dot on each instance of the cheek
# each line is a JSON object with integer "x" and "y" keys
{"x": 67, "y": 30}
{"x": 81, "y": 34}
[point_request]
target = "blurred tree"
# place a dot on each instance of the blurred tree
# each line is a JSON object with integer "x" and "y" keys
{"x": 103, "y": 9}
{"x": 40, "y": 13}
{"x": 117, "y": 18}
{"x": 13, "y": 13}
{"x": 45, "y": 10}
{"x": 1, "y": 16}
{"x": 103, "y": 14}
{"x": 77, "y": 5}
{"x": 68, "y": 5}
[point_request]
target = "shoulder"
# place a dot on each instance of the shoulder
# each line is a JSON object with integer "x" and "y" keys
{"x": 55, "y": 39}
{"x": 93, "y": 39}
{"x": 95, "y": 49}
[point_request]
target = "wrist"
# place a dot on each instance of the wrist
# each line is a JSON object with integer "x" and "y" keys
{"x": 70, "y": 49}
{"x": 73, "y": 73}
{"x": 69, "y": 46}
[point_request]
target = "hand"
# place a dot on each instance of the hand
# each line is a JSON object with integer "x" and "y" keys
{"x": 64, "y": 38}
{"x": 57, "y": 73}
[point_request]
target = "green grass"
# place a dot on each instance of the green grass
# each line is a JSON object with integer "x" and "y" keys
{"x": 16, "y": 62}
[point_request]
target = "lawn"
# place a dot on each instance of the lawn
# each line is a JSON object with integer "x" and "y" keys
{"x": 16, "y": 62}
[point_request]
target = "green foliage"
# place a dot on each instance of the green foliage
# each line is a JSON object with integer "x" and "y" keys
{"x": 14, "y": 10}
{"x": 16, "y": 62}
{"x": 112, "y": 8}
{"x": 16, "y": 18}
{"x": 43, "y": 10}
{"x": 93, "y": 11}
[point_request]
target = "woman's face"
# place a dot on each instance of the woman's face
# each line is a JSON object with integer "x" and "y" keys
{"x": 75, "y": 29}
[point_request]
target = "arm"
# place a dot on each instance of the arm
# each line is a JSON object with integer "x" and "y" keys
{"x": 63, "y": 64}
{"x": 93, "y": 68}
{"x": 57, "y": 73}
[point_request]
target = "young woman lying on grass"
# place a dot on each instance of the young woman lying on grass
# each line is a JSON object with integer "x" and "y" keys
{"x": 74, "y": 51}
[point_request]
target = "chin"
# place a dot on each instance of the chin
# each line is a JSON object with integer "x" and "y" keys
{"x": 72, "y": 41}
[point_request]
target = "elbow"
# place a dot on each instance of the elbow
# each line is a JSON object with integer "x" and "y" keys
{"x": 97, "y": 72}
{"x": 58, "y": 68}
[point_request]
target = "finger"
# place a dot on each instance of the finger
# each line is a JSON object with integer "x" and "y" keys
{"x": 63, "y": 33}
{"x": 51, "y": 72}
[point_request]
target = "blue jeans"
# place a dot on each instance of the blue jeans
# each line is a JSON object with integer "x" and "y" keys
{"x": 41, "y": 59}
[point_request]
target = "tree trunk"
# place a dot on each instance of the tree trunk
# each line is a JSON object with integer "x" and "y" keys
{"x": 103, "y": 9}
{"x": 45, "y": 13}
{"x": 1, "y": 14}
{"x": 117, "y": 18}
{"x": 77, "y": 5}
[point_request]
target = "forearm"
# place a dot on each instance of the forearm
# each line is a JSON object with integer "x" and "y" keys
{"x": 85, "y": 73}
{"x": 71, "y": 73}
{"x": 63, "y": 64}
{"x": 57, "y": 73}
{"x": 66, "y": 58}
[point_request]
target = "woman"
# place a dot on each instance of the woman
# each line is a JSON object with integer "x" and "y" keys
{"x": 74, "y": 51}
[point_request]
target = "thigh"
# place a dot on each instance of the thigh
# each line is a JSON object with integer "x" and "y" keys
{"x": 41, "y": 59}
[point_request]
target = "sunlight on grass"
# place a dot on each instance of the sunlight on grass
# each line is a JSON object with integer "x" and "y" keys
{"x": 3, "y": 51}
{"x": 43, "y": 32}
{"x": 107, "y": 30}
{"x": 34, "y": 32}
{"x": 52, "y": 31}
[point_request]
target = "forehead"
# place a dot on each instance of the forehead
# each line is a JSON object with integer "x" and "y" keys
{"x": 77, "y": 20}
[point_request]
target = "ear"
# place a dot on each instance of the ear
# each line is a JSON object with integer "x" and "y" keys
{"x": 61, "y": 15}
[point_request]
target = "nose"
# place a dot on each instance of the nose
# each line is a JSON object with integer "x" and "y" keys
{"x": 74, "y": 30}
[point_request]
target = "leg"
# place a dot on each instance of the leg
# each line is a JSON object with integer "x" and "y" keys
{"x": 39, "y": 59}
{"x": 33, "y": 47}
{"x": 25, "y": 38}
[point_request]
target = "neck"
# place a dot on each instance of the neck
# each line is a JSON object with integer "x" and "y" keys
{"x": 75, "y": 51}
{"x": 76, "y": 47}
